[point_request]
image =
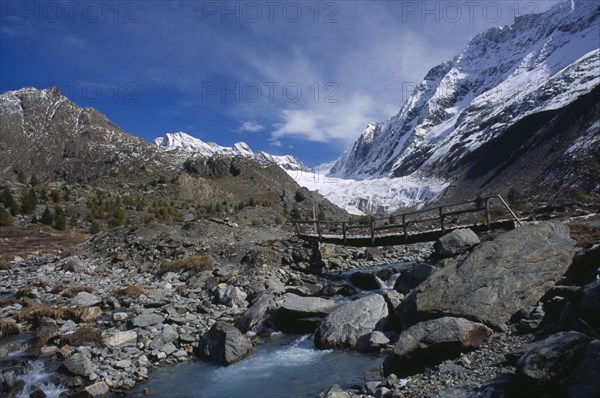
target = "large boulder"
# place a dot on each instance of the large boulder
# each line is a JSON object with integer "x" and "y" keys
{"x": 550, "y": 360}
{"x": 298, "y": 314}
{"x": 433, "y": 341}
{"x": 256, "y": 313}
{"x": 344, "y": 326}
{"x": 413, "y": 277}
{"x": 224, "y": 344}
{"x": 584, "y": 380}
{"x": 496, "y": 279}
{"x": 79, "y": 364}
{"x": 365, "y": 280}
{"x": 456, "y": 242}
{"x": 583, "y": 310}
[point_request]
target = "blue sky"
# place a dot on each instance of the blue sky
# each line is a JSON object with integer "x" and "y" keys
{"x": 301, "y": 78}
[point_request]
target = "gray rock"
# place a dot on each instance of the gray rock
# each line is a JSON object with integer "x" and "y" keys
{"x": 224, "y": 344}
{"x": 97, "y": 390}
{"x": 413, "y": 277}
{"x": 256, "y": 314}
{"x": 297, "y": 314}
{"x": 336, "y": 392}
{"x": 119, "y": 339}
{"x": 365, "y": 280}
{"x": 456, "y": 242}
{"x": 583, "y": 310}
{"x": 344, "y": 326}
{"x": 432, "y": 341}
{"x": 74, "y": 264}
{"x": 495, "y": 280}
{"x": 584, "y": 380}
{"x": 233, "y": 296}
{"x": 551, "y": 359}
{"x": 79, "y": 364}
{"x": 147, "y": 319}
{"x": 168, "y": 335}
{"x": 371, "y": 342}
{"x": 85, "y": 299}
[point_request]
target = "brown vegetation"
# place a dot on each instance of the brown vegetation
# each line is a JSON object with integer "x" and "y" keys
{"x": 73, "y": 290}
{"x": 35, "y": 314}
{"x": 86, "y": 335}
{"x": 193, "y": 264}
{"x": 43, "y": 335}
{"x": 133, "y": 291}
{"x": 9, "y": 328}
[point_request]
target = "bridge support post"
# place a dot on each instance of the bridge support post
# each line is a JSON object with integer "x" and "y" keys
{"x": 404, "y": 227}
{"x": 442, "y": 220}
{"x": 297, "y": 228}
{"x": 488, "y": 216}
{"x": 372, "y": 233}
{"x": 344, "y": 230}
{"x": 319, "y": 231}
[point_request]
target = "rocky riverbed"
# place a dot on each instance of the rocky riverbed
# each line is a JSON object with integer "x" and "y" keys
{"x": 132, "y": 300}
{"x": 462, "y": 321}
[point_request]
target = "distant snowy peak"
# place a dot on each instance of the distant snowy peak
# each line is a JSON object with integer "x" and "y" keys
{"x": 186, "y": 144}
{"x": 540, "y": 62}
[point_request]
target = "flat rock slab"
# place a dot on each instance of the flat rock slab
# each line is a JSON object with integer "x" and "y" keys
{"x": 344, "y": 326}
{"x": 147, "y": 319}
{"x": 496, "y": 279}
{"x": 433, "y": 341}
{"x": 298, "y": 314}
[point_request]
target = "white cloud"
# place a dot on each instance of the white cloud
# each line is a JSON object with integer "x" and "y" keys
{"x": 337, "y": 124}
{"x": 251, "y": 127}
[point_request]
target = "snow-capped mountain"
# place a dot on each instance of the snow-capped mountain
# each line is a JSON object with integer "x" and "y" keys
{"x": 541, "y": 62}
{"x": 185, "y": 145}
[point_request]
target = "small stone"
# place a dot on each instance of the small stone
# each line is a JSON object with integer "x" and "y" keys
{"x": 123, "y": 364}
{"x": 86, "y": 299}
{"x": 120, "y": 338}
{"x": 48, "y": 349}
{"x": 97, "y": 390}
{"x": 91, "y": 314}
{"x": 119, "y": 316}
{"x": 79, "y": 364}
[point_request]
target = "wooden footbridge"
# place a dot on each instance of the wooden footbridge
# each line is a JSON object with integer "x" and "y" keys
{"x": 410, "y": 227}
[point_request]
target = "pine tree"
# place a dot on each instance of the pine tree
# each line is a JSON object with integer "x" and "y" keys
{"x": 60, "y": 222}
{"x": 5, "y": 218}
{"x": 295, "y": 213}
{"x": 47, "y": 218}
{"x": 28, "y": 201}
{"x": 95, "y": 227}
{"x": 33, "y": 181}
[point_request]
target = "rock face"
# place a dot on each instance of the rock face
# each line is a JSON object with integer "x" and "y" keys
{"x": 298, "y": 314}
{"x": 456, "y": 242}
{"x": 551, "y": 359}
{"x": 432, "y": 341}
{"x": 344, "y": 326}
{"x": 412, "y": 278}
{"x": 224, "y": 344}
{"x": 495, "y": 280}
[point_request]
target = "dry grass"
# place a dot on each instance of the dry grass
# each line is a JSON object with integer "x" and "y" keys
{"x": 43, "y": 335}
{"x": 193, "y": 264}
{"x": 35, "y": 314}
{"x": 27, "y": 289}
{"x": 74, "y": 290}
{"x": 32, "y": 238}
{"x": 9, "y": 328}
{"x": 133, "y": 291}
{"x": 87, "y": 335}
{"x": 4, "y": 265}
{"x": 586, "y": 233}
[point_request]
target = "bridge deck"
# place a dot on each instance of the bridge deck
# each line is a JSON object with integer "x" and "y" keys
{"x": 398, "y": 238}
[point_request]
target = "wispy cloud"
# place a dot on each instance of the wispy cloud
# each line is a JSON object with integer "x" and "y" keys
{"x": 251, "y": 127}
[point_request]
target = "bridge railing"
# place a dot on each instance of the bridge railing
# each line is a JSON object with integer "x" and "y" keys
{"x": 400, "y": 223}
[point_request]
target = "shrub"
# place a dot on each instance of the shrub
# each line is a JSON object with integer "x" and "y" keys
{"x": 33, "y": 181}
{"x": 47, "y": 218}
{"x": 87, "y": 336}
{"x": 295, "y": 213}
{"x": 95, "y": 227}
{"x": 279, "y": 219}
{"x": 5, "y": 218}
{"x": 256, "y": 223}
{"x": 60, "y": 222}
{"x": 8, "y": 328}
{"x": 133, "y": 291}
{"x": 194, "y": 264}
{"x": 392, "y": 219}
{"x": 514, "y": 196}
